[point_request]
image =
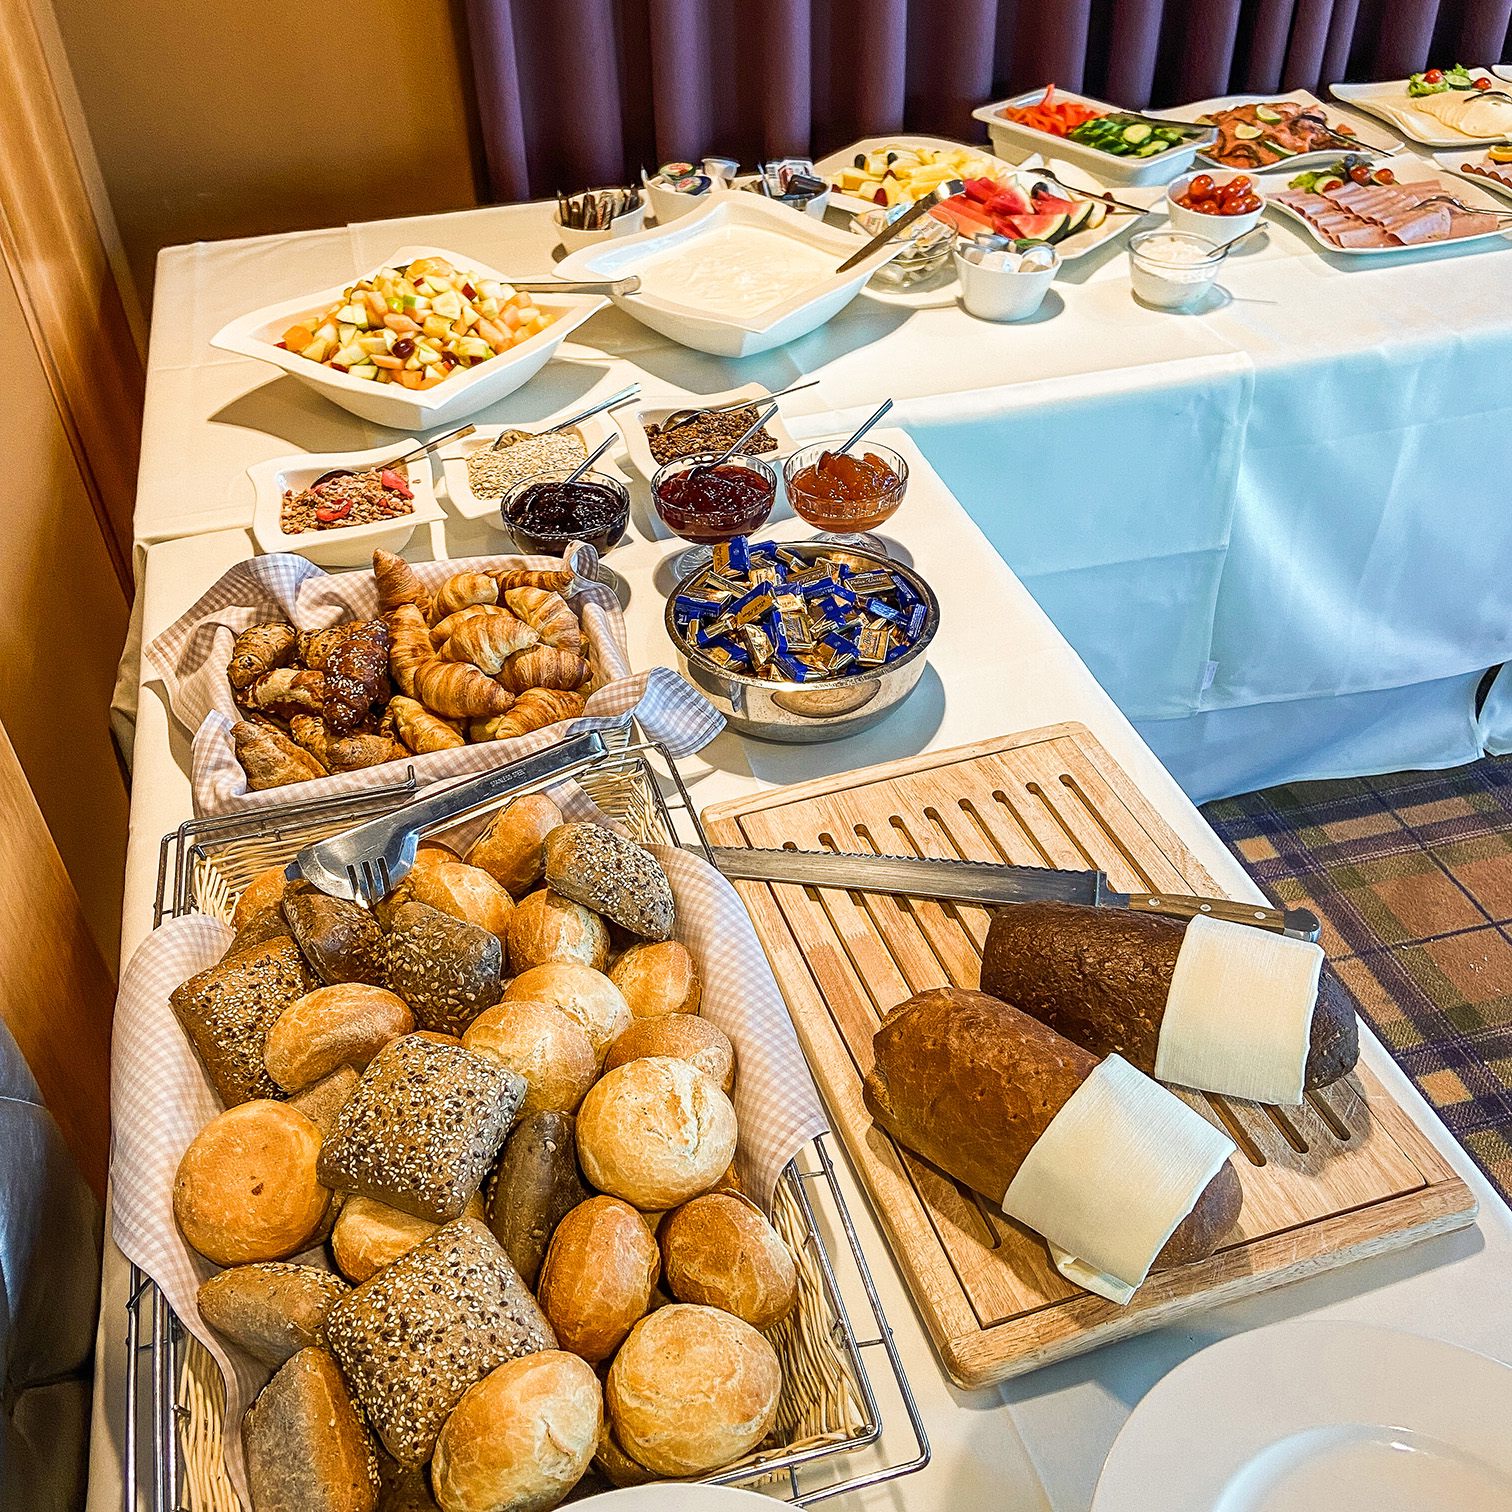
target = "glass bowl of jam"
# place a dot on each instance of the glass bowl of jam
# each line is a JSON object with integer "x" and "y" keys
{"x": 544, "y": 512}
{"x": 706, "y": 504}
{"x": 846, "y": 495}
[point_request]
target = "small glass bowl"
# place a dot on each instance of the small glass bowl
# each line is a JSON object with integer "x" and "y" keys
{"x": 1164, "y": 283}
{"x": 861, "y": 514}
{"x": 602, "y": 538}
{"x": 706, "y": 530}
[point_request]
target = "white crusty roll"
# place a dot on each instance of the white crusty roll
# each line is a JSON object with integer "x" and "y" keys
{"x": 464, "y": 892}
{"x": 692, "y": 1389}
{"x": 548, "y": 927}
{"x": 597, "y": 1280}
{"x": 521, "y": 1438}
{"x": 540, "y": 1043}
{"x": 513, "y": 848}
{"x": 582, "y": 993}
{"x": 683, "y": 1036}
{"x": 343, "y": 1025}
{"x": 246, "y": 1188}
{"x": 369, "y": 1235}
{"x": 658, "y": 977}
{"x": 720, "y": 1250}
{"x": 655, "y": 1132}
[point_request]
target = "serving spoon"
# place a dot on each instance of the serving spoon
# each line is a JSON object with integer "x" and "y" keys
{"x": 588, "y": 461}
{"x": 512, "y": 437}
{"x": 679, "y": 418}
{"x": 735, "y": 446}
{"x": 420, "y": 451}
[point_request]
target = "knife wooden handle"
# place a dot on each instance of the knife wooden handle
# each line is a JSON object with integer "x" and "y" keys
{"x": 1179, "y": 906}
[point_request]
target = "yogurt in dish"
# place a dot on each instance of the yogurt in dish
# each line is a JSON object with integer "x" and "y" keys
{"x": 736, "y": 270}
{"x": 1171, "y": 269}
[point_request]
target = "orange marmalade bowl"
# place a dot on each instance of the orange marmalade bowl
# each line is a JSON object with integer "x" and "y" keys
{"x": 842, "y": 495}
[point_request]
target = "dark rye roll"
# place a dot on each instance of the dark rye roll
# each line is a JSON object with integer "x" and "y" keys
{"x": 971, "y": 1084}
{"x": 1101, "y": 977}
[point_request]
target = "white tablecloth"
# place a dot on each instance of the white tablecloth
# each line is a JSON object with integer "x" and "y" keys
{"x": 1038, "y": 1444}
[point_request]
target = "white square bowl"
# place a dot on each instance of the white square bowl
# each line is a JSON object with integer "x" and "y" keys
{"x": 454, "y": 463}
{"x": 633, "y": 418}
{"x": 709, "y": 330}
{"x": 353, "y": 545}
{"x": 467, "y": 390}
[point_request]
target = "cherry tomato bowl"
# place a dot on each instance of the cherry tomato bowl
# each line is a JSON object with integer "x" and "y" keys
{"x": 1219, "y": 205}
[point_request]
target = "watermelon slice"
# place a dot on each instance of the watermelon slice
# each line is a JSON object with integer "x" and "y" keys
{"x": 1050, "y": 204}
{"x": 964, "y": 214}
{"x": 1011, "y": 200}
{"x": 1039, "y": 227}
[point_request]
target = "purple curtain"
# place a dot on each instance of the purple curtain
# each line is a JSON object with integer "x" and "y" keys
{"x": 574, "y": 93}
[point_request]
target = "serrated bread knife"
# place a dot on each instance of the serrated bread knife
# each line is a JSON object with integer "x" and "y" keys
{"x": 990, "y": 885}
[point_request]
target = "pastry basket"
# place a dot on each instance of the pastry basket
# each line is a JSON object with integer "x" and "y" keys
{"x": 836, "y": 1431}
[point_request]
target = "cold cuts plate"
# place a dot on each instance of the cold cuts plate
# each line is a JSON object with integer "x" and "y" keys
{"x": 1464, "y": 163}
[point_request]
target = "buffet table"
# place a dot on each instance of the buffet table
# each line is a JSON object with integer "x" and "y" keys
{"x": 997, "y": 665}
{"x": 1252, "y": 522}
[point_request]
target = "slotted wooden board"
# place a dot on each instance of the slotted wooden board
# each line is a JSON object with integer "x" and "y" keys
{"x": 1345, "y": 1176}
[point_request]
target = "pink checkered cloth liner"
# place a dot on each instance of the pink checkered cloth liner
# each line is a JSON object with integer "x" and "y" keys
{"x": 160, "y": 1096}
{"x": 190, "y": 657}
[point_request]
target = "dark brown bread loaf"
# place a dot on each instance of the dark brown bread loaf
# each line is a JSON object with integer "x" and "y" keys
{"x": 340, "y": 940}
{"x": 970, "y": 1083}
{"x": 535, "y": 1185}
{"x": 272, "y": 1310}
{"x": 1100, "y": 977}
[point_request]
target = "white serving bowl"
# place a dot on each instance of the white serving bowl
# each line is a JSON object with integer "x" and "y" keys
{"x": 1217, "y": 228}
{"x": 668, "y": 205}
{"x": 454, "y": 457}
{"x": 731, "y": 335}
{"x": 467, "y": 390}
{"x": 1164, "y": 285}
{"x": 352, "y": 546}
{"x": 1003, "y": 293}
{"x": 632, "y": 420}
{"x": 622, "y": 225}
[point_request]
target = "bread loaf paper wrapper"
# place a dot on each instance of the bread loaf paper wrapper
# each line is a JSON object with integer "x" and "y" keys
{"x": 1238, "y": 1016}
{"x": 1121, "y": 1164}
{"x": 161, "y": 1095}
{"x": 190, "y": 657}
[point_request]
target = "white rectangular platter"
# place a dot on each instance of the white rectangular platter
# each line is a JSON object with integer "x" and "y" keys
{"x": 1414, "y": 124}
{"x": 1371, "y": 138}
{"x": 1454, "y": 162}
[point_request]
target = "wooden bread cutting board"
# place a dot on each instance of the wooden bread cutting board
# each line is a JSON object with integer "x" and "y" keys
{"x": 1344, "y": 1176}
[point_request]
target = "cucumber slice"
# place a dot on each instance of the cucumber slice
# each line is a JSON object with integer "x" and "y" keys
{"x": 1136, "y": 133}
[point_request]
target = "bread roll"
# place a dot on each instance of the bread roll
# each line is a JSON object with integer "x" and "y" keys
{"x": 541, "y": 1044}
{"x": 246, "y": 1188}
{"x": 322, "y": 1103}
{"x": 720, "y": 1250}
{"x": 658, "y": 977}
{"x": 341, "y": 940}
{"x": 307, "y": 1448}
{"x": 582, "y": 993}
{"x": 655, "y": 1132}
{"x": 511, "y": 850}
{"x": 520, "y": 1439}
{"x": 369, "y": 1235}
{"x": 549, "y": 927}
{"x": 345, "y": 1025}
{"x": 683, "y": 1036}
{"x": 971, "y": 1083}
{"x": 264, "y": 891}
{"x": 272, "y": 1311}
{"x": 535, "y": 1185}
{"x": 462, "y": 892}
{"x": 692, "y": 1389}
{"x": 611, "y": 875}
{"x": 446, "y": 969}
{"x": 264, "y": 925}
{"x": 617, "y": 1467}
{"x": 597, "y": 1280}
{"x": 1100, "y": 977}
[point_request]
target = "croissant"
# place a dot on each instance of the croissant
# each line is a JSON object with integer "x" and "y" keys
{"x": 419, "y": 729}
{"x": 343, "y": 753}
{"x": 543, "y": 667}
{"x": 397, "y": 583}
{"x": 286, "y": 691}
{"x": 488, "y": 641}
{"x": 355, "y": 660}
{"x": 460, "y": 591}
{"x": 443, "y": 630}
{"x": 409, "y": 645}
{"x": 554, "y": 582}
{"x": 548, "y": 615}
{"x": 258, "y": 650}
{"x": 270, "y": 759}
{"x": 534, "y": 709}
{"x": 458, "y": 690}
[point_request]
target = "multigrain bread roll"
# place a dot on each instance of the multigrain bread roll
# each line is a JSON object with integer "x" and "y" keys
{"x": 341, "y": 940}
{"x": 611, "y": 875}
{"x": 655, "y": 1133}
{"x": 520, "y": 1439}
{"x": 322, "y": 1103}
{"x": 271, "y": 1310}
{"x": 720, "y": 1250}
{"x": 446, "y": 969}
{"x": 369, "y": 1235}
{"x": 534, "y": 1186}
{"x": 583, "y": 994}
{"x": 970, "y": 1083}
{"x": 539, "y": 1043}
{"x": 683, "y": 1036}
{"x": 422, "y": 1128}
{"x": 548, "y": 927}
{"x": 307, "y": 1447}
{"x": 247, "y": 1188}
{"x": 345, "y": 1025}
{"x": 1101, "y": 976}
{"x": 424, "y": 1329}
{"x": 658, "y": 977}
{"x": 462, "y": 892}
{"x": 597, "y": 1280}
{"x": 692, "y": 1389}
{"x": 264, "y": 891}
{"x": 228, "y": 1010}
{"x": 512, "y": 849}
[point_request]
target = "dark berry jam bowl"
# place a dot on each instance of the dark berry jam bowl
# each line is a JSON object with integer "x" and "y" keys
{"x": 543, "y": 512}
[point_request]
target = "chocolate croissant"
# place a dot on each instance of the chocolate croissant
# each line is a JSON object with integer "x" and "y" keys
{"x": 270, "y": 759}
{"x": 409, "y": 645}
{"x": 488, "y": 641}
{"x": 543, "y": 667}
{"x": 534, "y": 709}
{"x": 458, "y": 690}
{"x": 397, "y": 583}
{"x": 355, "y": 660}
{"x": 548, "y": 615}
{"x": 460, "y": 591}
{"x": 259, "y": 650}
{"x": 419, "y": 729}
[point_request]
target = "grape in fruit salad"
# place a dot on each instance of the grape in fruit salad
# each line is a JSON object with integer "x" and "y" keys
{"x": 1237, "y": 197}
{"x": 418, "y": 326}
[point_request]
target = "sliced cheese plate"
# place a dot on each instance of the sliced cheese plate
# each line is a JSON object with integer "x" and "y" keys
{"x": 1345, "y": 1176}
{"x": 1389, "y": 101}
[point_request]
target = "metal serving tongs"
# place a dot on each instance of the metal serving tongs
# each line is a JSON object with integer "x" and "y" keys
{"x": 419, "y": 451}
{"x": 367, "y": 863}
{"x": 1458, "y": 204}
{"x": 512, "y": 437}
{"x": 921, "y": 207}
{"x": 630, "y": 284}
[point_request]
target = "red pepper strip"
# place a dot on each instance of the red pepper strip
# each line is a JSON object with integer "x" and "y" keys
{"x": 390, "y": 479}
{"x": 334, "y": 512}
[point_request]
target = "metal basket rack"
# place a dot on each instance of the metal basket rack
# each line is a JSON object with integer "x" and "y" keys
{"x": 206, "y": 862}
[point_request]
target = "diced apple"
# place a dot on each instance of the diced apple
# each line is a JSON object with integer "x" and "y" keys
{"x": 448, "y": 304}
{"x": 318, "y": 350}
{"x": 364, "y": 370}
{"x": 352, "y": 314}
{"x": 350, "y": 356}
{"x": 435, "y": 327}
{"x": 475, "y": 348}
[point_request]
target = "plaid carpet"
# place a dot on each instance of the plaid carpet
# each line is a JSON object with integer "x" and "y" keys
{"x": 1411, "y": 875}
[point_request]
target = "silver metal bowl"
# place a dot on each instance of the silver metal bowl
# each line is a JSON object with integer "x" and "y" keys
{"x": 808, "y": 712}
